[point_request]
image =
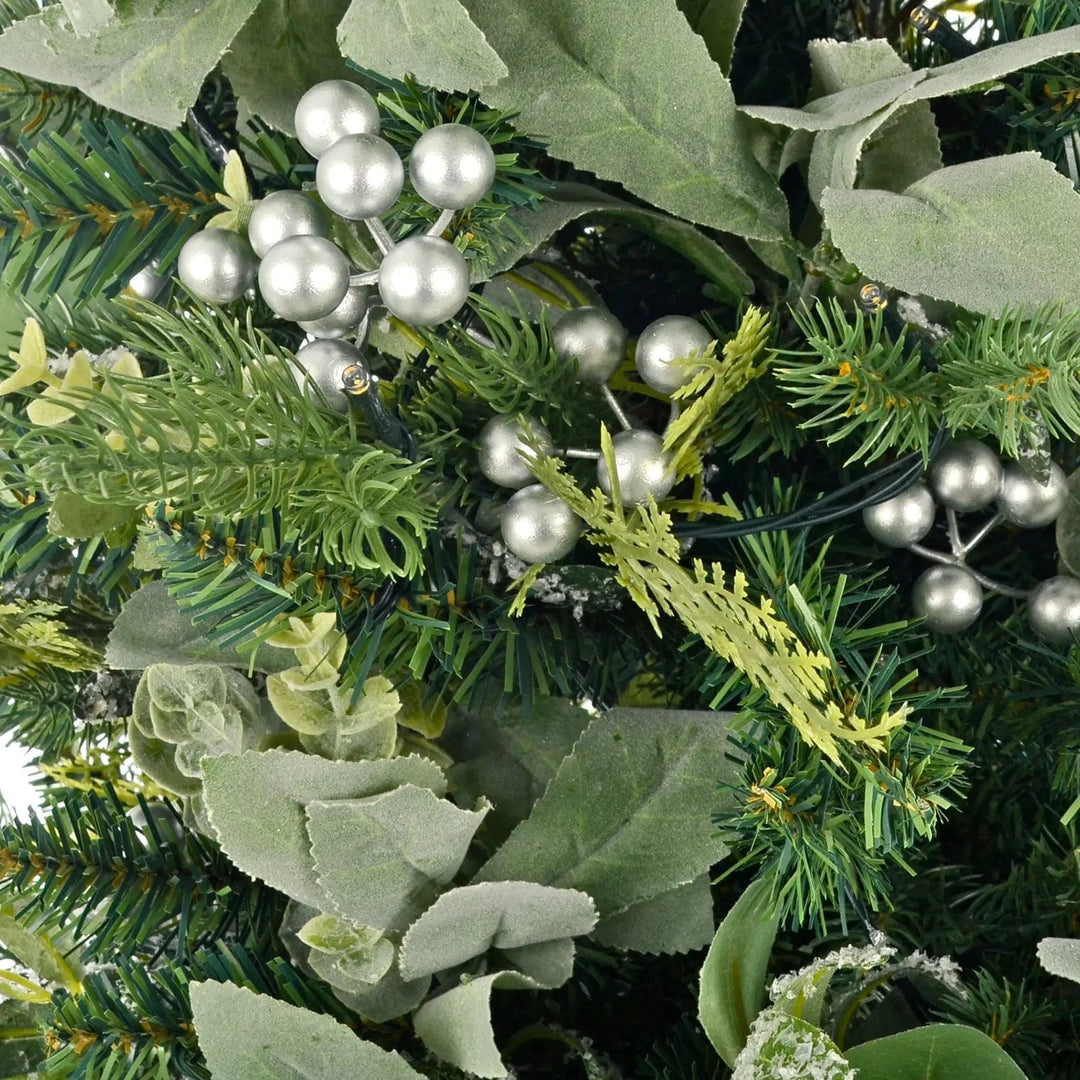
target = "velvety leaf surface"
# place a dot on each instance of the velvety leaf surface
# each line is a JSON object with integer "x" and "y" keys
{"x": 1067, "y": 528}
{"x": 717, "y": 23}
{"x": 986, "y": 235}
{"x": 1061, "y": 956}
{"x": 598, "y": 82}
{"x": 675, "y": 921}
{"x": 641, "y": 831}
{"x": 937, "y": 1052}
{"x": 435, "y": 40}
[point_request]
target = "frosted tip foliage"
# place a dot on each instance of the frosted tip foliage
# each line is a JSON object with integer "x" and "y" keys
{"x": 304, "y": 277}
{"x": 283, "y": 214}
{"x": 452, "y": 166}
{"x": 593, "y": 339}
{"x": 360, "y": 176}
{"x": 217, "y": 266}
{"x": 538, "y": 526}
{"x": 423, "y": 280}
{"x": 331, "y": 110}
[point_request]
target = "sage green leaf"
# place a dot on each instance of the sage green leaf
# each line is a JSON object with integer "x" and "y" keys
{"x": 548, "y": 963}
{"x": 331, "y": 934}
{"x": 255, "y": 802}
{"x": 346, "y": 955}
{"x": 1067, "y": 528}
{"x": 77, "y": 518}
{"x": 388, "y": 999}
{"x": 249, "y": 1036}
{"x": 306, "y": 711}
{"x": 88, "y": 16}
{"x": 468, "y": 921}
{"x": 676, "y": 921}
{"x": 509, "y": 757}
{"x": 378, "y": 740}
{"x": 904, "y": 148}
{"x": 281, "y": 52}
{"x": 456, "y": 1026}
{"x": 152, "y": 628}
{"x": 854, "y": 104}
{"x": 568, "y": 201}
{"x": 21, "y": 1053}
{"x": 435, "y": 40}
{"x": 936, "y": 1052}
{"x": 781, "y": 1047}
{"x": 732, "y": 986}
{"x": 149, "y": 64}
{"x": 157, "y": 759}
{"x": 717, "y": 23}
{"x": 598, "y": 82}
{"x": 379, "y": 860}
{"x": 1061, "y": 957}
{"x": 986, "y": 235}
{"x": 646, "y": 829}
{"x": 35, "y": 950}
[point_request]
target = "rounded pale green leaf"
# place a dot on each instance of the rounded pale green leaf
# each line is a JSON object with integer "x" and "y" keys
{"x": 307, "y": 710}
{"x": 77, "y": 518}
{"x": 937, "y": 1052}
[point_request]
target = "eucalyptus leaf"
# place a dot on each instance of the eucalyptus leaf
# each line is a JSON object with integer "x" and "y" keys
{"x": 641, "y": 832}
{"x": 434, "y": 40}
{"x": 598, "y": 82}
{"x": 35, "y": 950}
{"x": 468, "y": 921}
{"x": 281, "y": 52}
{"x": 157, "y": 759}
{"x": 255, "y": 802}
{"x": 152, "y": 628}
{"x": 987, "y": 235}
{"x": 676, "y": 921}
{"x": 379, "y": 860}
{"x": 306, "y": 711}
{"x": 77, "y": 518}
{"x": 567, "y": 201}
{"x": 936, "y": 1052}
{"x": 1061, "y": 957}
{"x": 249, "y": 1036}
{"x": 732, "y": 986}
{"x": 717, "y": 23}
{"x": 150, "y": 63}
{"x": 456, "y": 1026}
{"x": 388, "y": 999}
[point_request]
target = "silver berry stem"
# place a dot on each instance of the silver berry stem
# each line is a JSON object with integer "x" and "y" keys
{"x": 442, "y": 223}
{"x": 584, "y": 455}
{"x": 953, "y": 559}
{"x": 368, "y": 277}
{"x": 383, "y": 240}
{"x": 479, "y": 337}
{"x": 615, "y": 407}
{"x": 673, "y": 415}
{"x": 980, "y": 534}
{"x": 953, "y": 527}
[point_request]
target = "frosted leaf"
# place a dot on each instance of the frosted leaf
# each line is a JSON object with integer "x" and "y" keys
{"x": 782, "y": 1047}
{"x": 858, "y": 957}
{"x": 1061, "y": 956}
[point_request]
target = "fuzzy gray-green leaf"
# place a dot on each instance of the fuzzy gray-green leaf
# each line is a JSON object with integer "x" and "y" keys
{"x": 1061, "y": 957}
{"x": 676, "y": 921}
{"x": 601, "y": 84}
{"x": 717, "y": 23}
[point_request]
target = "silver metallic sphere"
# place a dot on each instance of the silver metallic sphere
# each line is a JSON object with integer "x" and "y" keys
{"x": 1026, "y": 502}
{"x": 501, "y": 447}
{"x": 360, "y": 177}
{"x": 904, "y": 519}
{"x": 668, "y": 339}
{"x": 539, "y": 527}
{"x": 147, "y": 282}
{"x": 304, "y": 277}
{"x": 217, "y": 266}
{"x": 423, "y": 280}
{"x": 641, "y": 466}
{"x": 594, "y": 338}
{"x": 966, "y": 475}
{"x": 452, "y": 166}
{"x": 283, "y": 214}
{"x": 345, "y": 319}
{"x": 331, "y": 110}
{"x": 1054, "y": 609}
{"x": 949, "y": 598}
{"x": 324, "y": 362}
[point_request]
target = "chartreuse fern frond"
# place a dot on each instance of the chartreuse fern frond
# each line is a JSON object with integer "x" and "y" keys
{"x": 715, "y": 382}
{"x": 859, "y": 383}
{"x": 715, "y": 606}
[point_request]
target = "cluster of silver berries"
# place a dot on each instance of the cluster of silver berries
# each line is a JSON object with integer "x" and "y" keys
{"x": 536, "y": 525}
{"x": 967, "y": 477}
{"x": 304, "y": 276}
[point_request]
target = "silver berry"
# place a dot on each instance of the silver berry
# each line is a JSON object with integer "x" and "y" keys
{"x": 642, "y": 467}
{"x": 331, "y": 110}
{"x": 217, "y": 266}
{"x": 147, "y": 282}
{"x": 904, "y": 519}
{"x": 538, "y": 526}
{"x": 1054, "y": 609}
{"x": 501, "y": 450}
{"x": 360, "y": 177}
{"x": 1026, "y": 502}
{"x": 594, "y": 339}
{"x": 966, "y": 475}
{"x": 664, "y": 341}
{"x": 948, "y": 597}
{"x": 345, "y": 319}
{"x": 282, "y": 214}
{"x": 324, "y": 363}
{"x": 452, "y": 166}
{"x": 304, "y": 277}
{"x": 423, "y": 280}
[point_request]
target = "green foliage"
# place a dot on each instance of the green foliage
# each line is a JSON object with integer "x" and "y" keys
{"x": 933, "y": 1053}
